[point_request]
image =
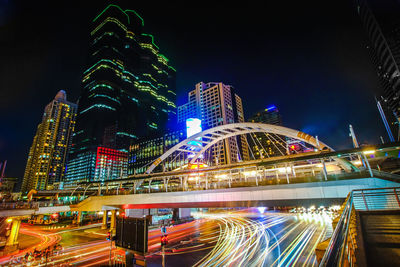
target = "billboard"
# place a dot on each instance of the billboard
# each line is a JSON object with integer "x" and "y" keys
{"x": 193, "y": 126}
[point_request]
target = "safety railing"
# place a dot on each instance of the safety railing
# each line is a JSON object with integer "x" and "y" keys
{"x": 177, "y": 184}
{"x": 341, "y": 248}
{"x": 32, "y": 204}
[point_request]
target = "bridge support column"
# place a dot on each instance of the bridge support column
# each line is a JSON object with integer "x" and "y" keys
{"x": 79, "y": 218}
{"x": 12, "y": 240}
{"x": 113, "y": 221}
{"x": 287, "y": 174}
{"x": 104, "y": 222}
{"x": 185, "y": 183}
{"x": 256, "y": 176}
{"x": 276, "y": 174}
{"x": 293, "y": 171}
{"x": 150, "y": 185}
{"x": 368, "y": 166}
{"x": 324, "y": 169}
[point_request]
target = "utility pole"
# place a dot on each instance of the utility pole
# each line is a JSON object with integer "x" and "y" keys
{"x": 164, "y": 241}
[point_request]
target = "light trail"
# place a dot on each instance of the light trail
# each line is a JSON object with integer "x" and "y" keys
{"x": 251, "y": 241}
{"x": 241, "y": 238}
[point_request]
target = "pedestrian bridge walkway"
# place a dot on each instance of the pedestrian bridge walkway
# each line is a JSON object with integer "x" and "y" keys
{"x": 322, "y": 192}
{"x": 28, "y": 209}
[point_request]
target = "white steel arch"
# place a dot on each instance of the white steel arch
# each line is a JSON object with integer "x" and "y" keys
{"x": 214, "y": 135}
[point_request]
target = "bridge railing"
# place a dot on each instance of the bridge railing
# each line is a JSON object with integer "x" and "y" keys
{"x": 31, "y": 204}
{"x": 342, "y": 246}
{"x": 223, "y": 180}
{"x": 234, "y": 180}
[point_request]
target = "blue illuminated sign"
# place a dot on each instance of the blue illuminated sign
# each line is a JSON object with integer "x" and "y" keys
{"x": 270, "y": 108}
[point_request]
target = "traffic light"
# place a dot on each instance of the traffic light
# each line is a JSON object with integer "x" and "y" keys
{"x": 111, "y": 237}
{"x": 164, "y": 240}
{"x": 108, "y": 236}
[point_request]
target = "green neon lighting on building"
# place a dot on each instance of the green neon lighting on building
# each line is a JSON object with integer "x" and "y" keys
{"x": 152, "y": 39}
{"x": 108, "y": 8}
{"x": 123, "y": 11}
{"x": 127, "y": 134}
{"x": 137, "y": 15}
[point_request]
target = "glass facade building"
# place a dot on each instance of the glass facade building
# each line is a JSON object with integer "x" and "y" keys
{"x": 47, "y": 157}
{"x": 143, "y": 152}
{"x": 381, "y": 22}
{"x": 128, "y": 91}
{"x": 267, "y": 145}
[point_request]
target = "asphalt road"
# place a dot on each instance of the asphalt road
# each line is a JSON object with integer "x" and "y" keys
{"x": 223, "y": 238}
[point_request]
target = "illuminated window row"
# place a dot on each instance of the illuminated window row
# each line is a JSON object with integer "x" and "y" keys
{"x": 101, "y": 85}
{"x": 101, "y": 36}
{"x": 127, "y": 134}
{"x": 150, "y": 47}
{"x": 121, "y": 73}
{"x": 110, "y": 19}
{"x": 97, "y": 106}
{"x": 105, "y": 96}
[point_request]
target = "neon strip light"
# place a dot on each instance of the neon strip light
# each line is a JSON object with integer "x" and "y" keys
{"x": 108, "y": 8}
{"x": 152, "y": 39}
{"x": 110, "y": 19}
{"x": 133, "y": 11}
{"x": 97, "y": 106}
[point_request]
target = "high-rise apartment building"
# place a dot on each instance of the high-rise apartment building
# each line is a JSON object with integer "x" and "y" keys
{"x": 47, "y": 157}
{"x": 381, "y": 22}
{"x": 217, "y": 104}
{"x": 128, "y": 91}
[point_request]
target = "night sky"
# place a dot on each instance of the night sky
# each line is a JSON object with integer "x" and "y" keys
{"x": 306, "y": 57}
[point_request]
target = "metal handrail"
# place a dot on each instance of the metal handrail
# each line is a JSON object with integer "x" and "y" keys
{"x": 335, "y": 252}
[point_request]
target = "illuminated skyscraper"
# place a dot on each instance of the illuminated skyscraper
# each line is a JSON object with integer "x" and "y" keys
{"x": 48, "y": 154}
{"x": 217, "y": 104}
{"x": 267, "y": 145}
{"x": 144, "y": 151}
{"x": 128, "y": 91}
{"x": 381, "y": 22}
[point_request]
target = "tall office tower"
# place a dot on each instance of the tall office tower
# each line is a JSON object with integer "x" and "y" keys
{"x": 128, "y": 92}
{"x": 381, "y": 22}
{"x": 47, "y": 157}
{"x": 217, "y": 104}
{"x": 270, "y": 115}
{"x": 267, "y": 145}
{"x": 144, "y": 151}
